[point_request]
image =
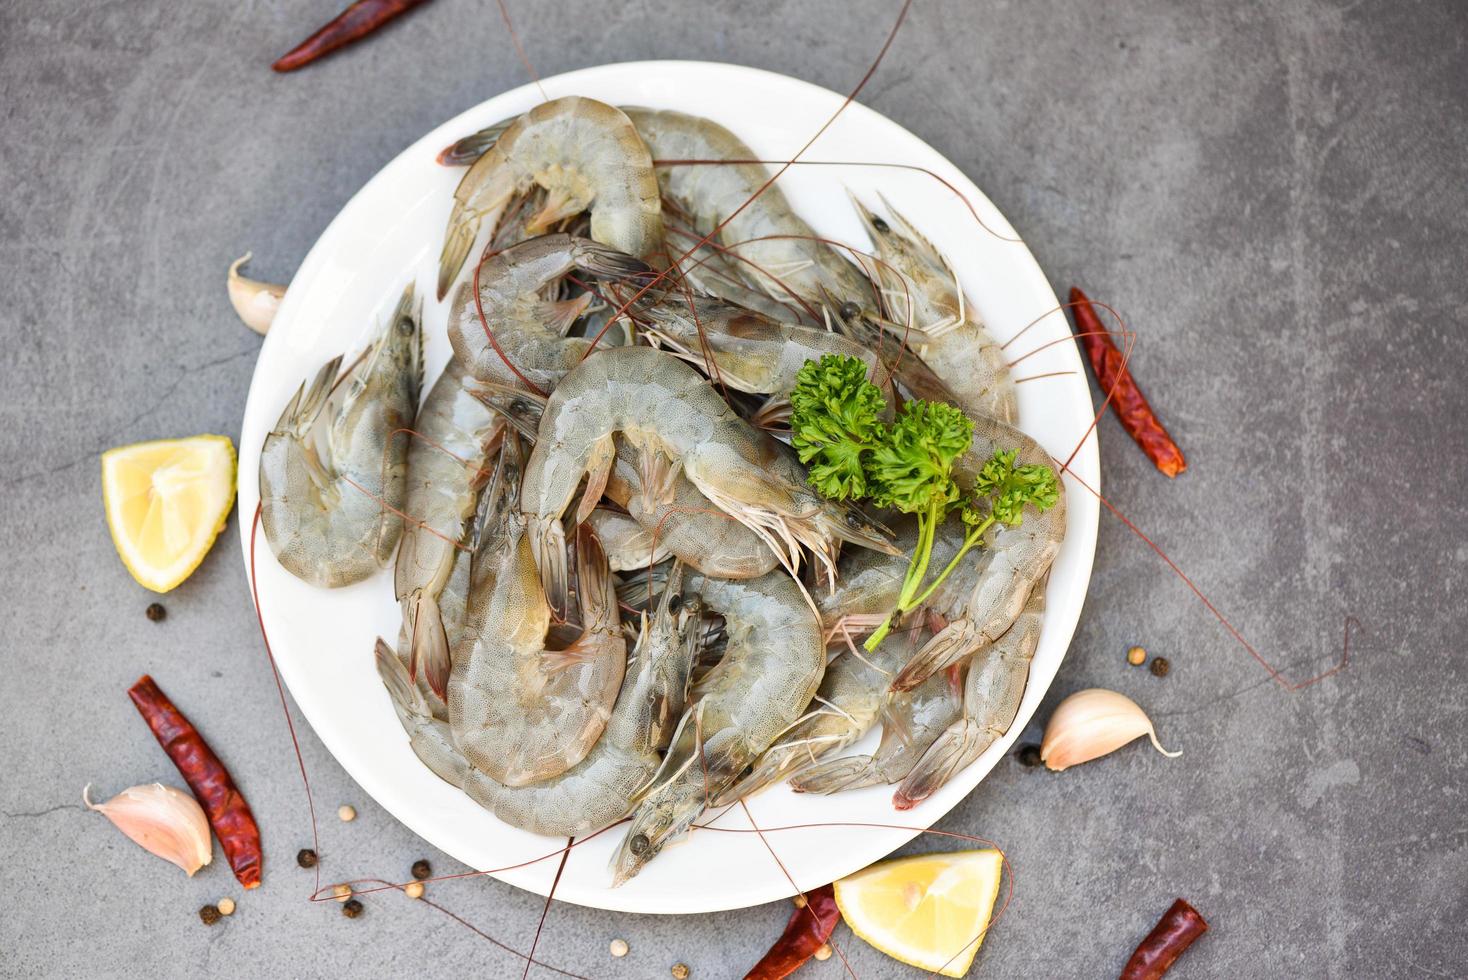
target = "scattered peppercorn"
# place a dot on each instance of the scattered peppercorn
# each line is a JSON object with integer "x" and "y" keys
{"x": 226, "y": 906}
{"x": 680, "y": 971}
{"x": 352, "y": 909}
{"x": 156, "y": 612}
{"x": 346, "y": 813}
{"x": 1136, "y": 656}
{"x": 823, "y": 952}
{"x": 306, "y": 857}
{"x": 422, "y": 869}
{"x": 1029, "y": 755}
{"x": 209, "y": 914}
{"x": 619, "y": 947}
{"x": 341, "y": 893}
{"x": 1159, "y": 667}
{"x": 413, "y": 889}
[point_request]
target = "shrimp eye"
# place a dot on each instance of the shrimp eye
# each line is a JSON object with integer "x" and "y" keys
{"x": 675, "y": 603}
{"x": 849, "y": 309}
{"x": 853, "y": 521}
{"x": 880, "y": 225}
{"x": 519, "y": 406}
{"x": 639, "y": 844}
{"x": 405, "y": 327}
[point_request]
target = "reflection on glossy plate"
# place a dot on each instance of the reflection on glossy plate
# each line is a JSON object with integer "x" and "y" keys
{"x": 392, "y": 229}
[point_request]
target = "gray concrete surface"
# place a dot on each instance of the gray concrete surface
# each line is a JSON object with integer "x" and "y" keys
{"x": 1275, "y": 195}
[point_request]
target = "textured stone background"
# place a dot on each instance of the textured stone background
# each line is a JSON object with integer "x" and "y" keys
{"x": 1274, "y": 194}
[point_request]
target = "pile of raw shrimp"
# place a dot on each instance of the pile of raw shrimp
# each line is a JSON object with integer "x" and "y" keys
{"x": 620, "y": 595}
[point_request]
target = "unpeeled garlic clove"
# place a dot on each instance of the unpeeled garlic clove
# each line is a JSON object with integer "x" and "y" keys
{"x": 254, "y": 301}
{"x": 1093, "y": 723}
{"x": 162, "y": 820}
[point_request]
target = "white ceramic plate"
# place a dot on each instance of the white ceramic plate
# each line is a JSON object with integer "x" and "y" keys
{"x": 391, "y": 231}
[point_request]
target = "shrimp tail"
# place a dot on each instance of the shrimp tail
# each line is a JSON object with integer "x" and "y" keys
{"x": 595, "y": 589}
{"x": 407, "y": 700}
{"x": 606, "y": 262}
{"x": 428, "y": 643}
{"x": 466, "y": 149}
{"x": 956, "y": 641}
{"x": 958, "y": 746}
{"x": 303, "y": 408}
{"x": 597, "y": 596}
{"x": 429, "y": 738}
{"x": 548, "y": 542}
{"x": 852, "y": 772}
{"x": 457, "y": 241}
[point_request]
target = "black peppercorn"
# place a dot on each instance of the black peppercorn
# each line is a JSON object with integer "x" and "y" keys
{"x": 210, "y": 914}
{"x": 1029, "y": 755}
{"x": 351, "y": 908}
{"x": 306, "y": 857}
{"x": 1159, "y": 667}
{"x": 421, "y": 870}
{"x": 156, "y": 612}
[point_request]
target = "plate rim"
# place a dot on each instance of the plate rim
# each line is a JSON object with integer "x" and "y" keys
{"x": 1084, "y": 519}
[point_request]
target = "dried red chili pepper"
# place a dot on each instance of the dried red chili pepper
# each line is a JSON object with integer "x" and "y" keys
{"x": 354, "y": 23}
{"x": 1173, "y": 934}
{"x": 223, "y": 804}
{"x": 1127, "y": 399}
{"x": 807, "y": 931}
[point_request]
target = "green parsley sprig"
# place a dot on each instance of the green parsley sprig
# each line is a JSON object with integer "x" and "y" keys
{"x": 906, "y": 465}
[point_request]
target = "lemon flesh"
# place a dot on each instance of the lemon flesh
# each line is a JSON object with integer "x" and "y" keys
{"x": 166, "y": 503}
{"x": 929, "y": 911}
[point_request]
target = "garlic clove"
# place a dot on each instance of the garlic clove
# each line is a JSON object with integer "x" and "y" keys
{"x": 1093, "y": 723}
{"x": 254, "y": 301}
{"x": 162, "y": 820}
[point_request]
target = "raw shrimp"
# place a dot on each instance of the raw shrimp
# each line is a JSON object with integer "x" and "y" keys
{"x": 452, "y": 436}
{"x": 675, "y": 419}
{"x": 766, "y": 231}
{"x": 520, "y": 712}
{"x": 1007, "y": 568}
{"x": 604, "y": 786}
{"x": 851, "y": 699}
{"x": 332, "y": 471}
{"x": 927, "y": 308}
{"x": 529, "y": 330}
{"x": 683, "y": 520}
{"x": 911, "y": 721}
{"x": 991, "y": 696}
{"x": 586, "y": 155}
{"x": 773, "y": 665}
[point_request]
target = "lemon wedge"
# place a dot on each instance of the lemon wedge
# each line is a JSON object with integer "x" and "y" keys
{"x": 166, "y": 503}
{"x": 923, "y": 910}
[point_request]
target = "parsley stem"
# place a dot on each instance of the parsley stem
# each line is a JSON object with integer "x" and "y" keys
{"x": 969, "y": 542}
